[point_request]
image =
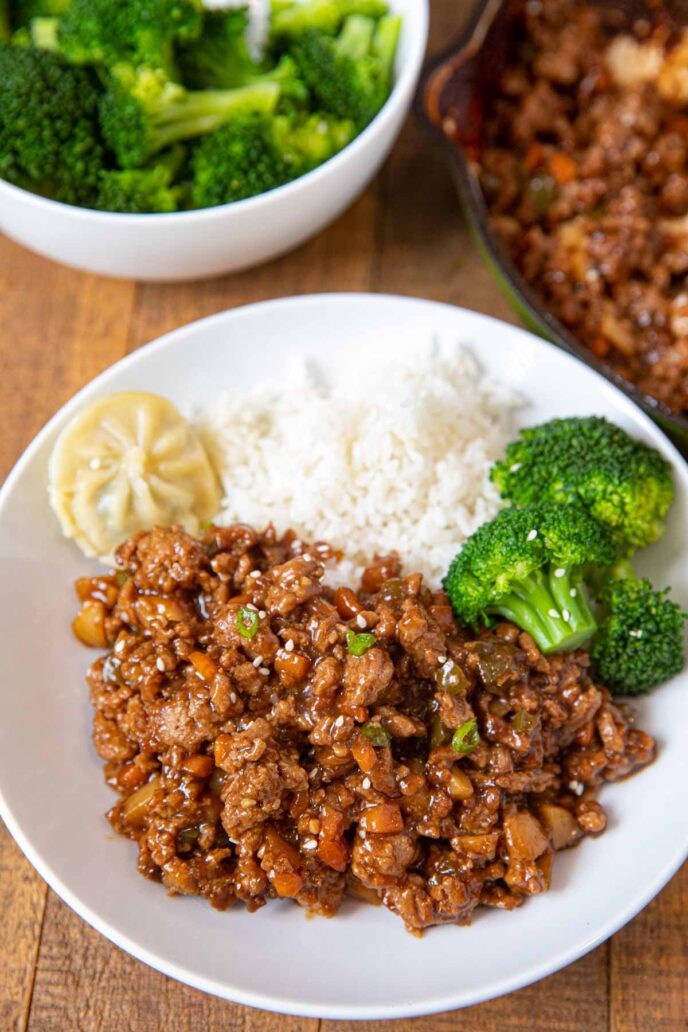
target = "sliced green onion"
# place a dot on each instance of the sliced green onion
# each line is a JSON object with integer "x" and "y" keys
{"x": 121, "y": 577}
{"x": 466, "y": 737}
{"x": 357, "y": 644}
{"x": 206, "y": 525}
{"x": 379, "y": 736}
{"x": 247, "y": 622}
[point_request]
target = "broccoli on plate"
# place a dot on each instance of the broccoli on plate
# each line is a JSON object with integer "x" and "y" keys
{"x": 641, "y": 636}
{"x": 623, "y": 482}
{"x": 527, "y": 565}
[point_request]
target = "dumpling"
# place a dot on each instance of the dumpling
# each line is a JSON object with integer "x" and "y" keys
{"x": 126, "y": 463}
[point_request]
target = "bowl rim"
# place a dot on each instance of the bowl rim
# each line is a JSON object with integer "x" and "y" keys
{"x": 635, "y": 902}
{"x": 467, "y": 44}
{"x": 404, "y": 83}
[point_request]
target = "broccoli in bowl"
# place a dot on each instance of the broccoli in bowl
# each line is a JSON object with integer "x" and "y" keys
{"x": 178, "y": 106}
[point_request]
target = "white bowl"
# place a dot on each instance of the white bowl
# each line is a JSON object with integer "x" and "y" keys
{"x": 362, "y": 964}
{"x": 195, "y": 244}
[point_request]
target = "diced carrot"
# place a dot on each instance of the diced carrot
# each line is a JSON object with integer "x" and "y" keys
{"x": 534, "y": 156}
{"x": 562, "y": 168}
{"x": 287, "y": 884}
{"x": 678, "y": 124}
{"x": 600, "y": 347}
{"x": 333, "y": 854}
{"x": 198, "y": 765}
{"x": 364, "y": 754}
{"x": 292, "y": 667}
{"x": 383, "y": 819}
{"x": 204, "y": 666}
{"x": 281, "y": 849}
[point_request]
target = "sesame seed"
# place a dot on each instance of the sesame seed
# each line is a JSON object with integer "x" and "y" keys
{"x": 366, "y": 783}
{"x": 515, "y": 467}
{"x": 361, "y": 833}
{"x": 160, "y": 665}
{"x": 565, "y": 615}
{"x": 232, "y": 698}
{"x": 361, "y": 620}
{"x": 254, "y": 573}
{"x": 119, "y": 645}
{"x": 258, "y": 661}
{"x": 531, "y": 535}
{"x": 577, "y": 787}
{"x": 295, "y": 544}
{"x": 339, "y": 722}
{"x": 573, "y": 592}
{"x": 289, "y": 645}
{"x": 554, "y": 613}
{"x": 264, "y": 671}
{"x": 261, "y": 614}
{"x": 560, "y": 572}
{"x": 313, "y": 773}
{"x": 247, "y": 802}
{"x": 310, "y": 844}
{"x": 250, "y": 605}
{"x": 441, "y": 660}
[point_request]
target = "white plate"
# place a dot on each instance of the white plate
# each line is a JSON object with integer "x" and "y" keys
{"x": 362, "y": 964}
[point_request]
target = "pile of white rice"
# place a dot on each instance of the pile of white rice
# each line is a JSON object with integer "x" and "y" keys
{"x": 393, "y": 457}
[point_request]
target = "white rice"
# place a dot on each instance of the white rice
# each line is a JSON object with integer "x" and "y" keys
{"x": 393, "y": 457}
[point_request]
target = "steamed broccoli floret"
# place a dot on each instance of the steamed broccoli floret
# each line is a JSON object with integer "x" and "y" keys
{"x": 350, "y": 75}
{"x": 623, "y": 482}
{"x": 49, "y": 135}
{"x": 220, "y": 59}
{"x": 640, "y": 640}
{"x": 255, "y": 154}
{"x": 142, "y": 111}
{"x": 293, "y": 19}
{"x": 527, "y": 566}
{"x": 140, "y": 31}
{"x": 137, "y": 190}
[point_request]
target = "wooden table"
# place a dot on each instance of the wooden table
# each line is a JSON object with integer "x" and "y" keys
{"x": 60, "y": 328}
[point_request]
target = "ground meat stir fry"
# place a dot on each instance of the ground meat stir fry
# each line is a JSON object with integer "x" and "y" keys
{"x": 584, "y": 165}
{"x": 270, "y": 737}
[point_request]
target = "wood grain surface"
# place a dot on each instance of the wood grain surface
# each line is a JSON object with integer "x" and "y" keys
{"x": 59, "y": 328}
